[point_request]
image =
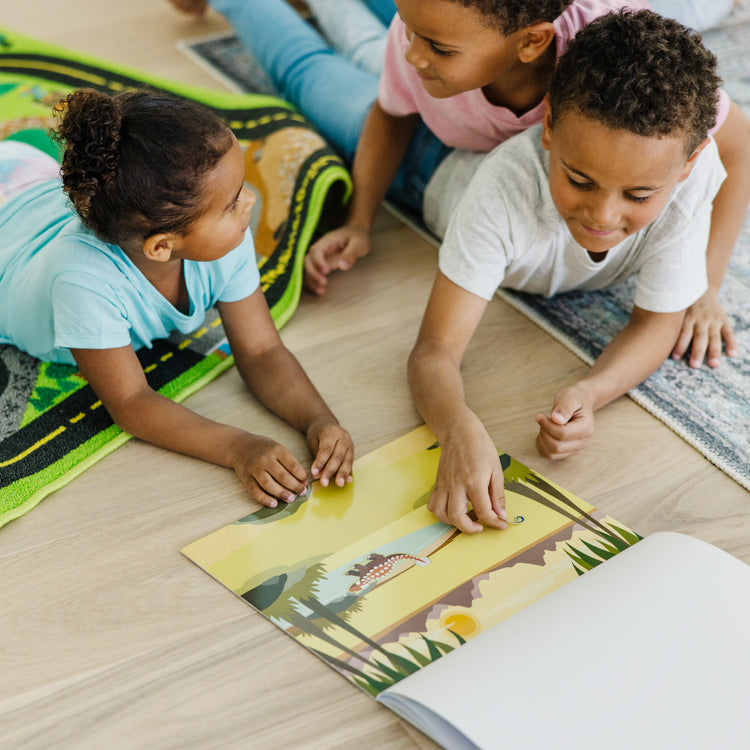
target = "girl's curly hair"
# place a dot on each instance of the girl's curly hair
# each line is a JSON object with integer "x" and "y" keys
{"x": 639, "y": 72}
{"x": 508, "y": 16}
{"x": 133, "y": 163}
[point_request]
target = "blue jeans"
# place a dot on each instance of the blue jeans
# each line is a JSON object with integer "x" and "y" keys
{"x": 383, "y": 9}
{"x": 356, "y": 29}
{"x": 331, "y": 91}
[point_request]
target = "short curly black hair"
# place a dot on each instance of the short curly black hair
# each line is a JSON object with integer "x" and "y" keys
{"x": 639, "y": 72}
{"x": 508, "y": 16}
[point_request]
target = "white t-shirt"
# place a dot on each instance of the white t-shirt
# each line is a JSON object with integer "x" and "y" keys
{"x": 507, "y": 232}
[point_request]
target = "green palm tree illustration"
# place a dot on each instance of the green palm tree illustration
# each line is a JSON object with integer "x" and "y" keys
{"x": 525, "y": 481}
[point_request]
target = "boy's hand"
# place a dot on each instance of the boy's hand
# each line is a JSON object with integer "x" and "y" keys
{"x": 336, "y": 251}
{"x": 469, "y": 472}
{"x": 570, "y": 426}
{"x": 333, "y": 451}
{"x": 707, "y": 326}
{"x": 269, "y": 471}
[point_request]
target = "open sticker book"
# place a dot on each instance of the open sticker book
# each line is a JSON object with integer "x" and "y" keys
{"x": 369, "y": 580}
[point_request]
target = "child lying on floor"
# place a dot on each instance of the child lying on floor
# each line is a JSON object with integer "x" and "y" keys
{"x": 617, "y": 181}
{"x": 156, "y": 234}
{"x": 463, "y": 74}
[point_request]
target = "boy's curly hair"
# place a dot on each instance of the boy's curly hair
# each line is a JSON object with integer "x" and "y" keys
{"x": 639, "y": 72}
{"x": 508, "y": 16}
{"x": 133, "y": 163}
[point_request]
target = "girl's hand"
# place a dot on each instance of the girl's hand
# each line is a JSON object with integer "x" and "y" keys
{"x": 269, "y": 471}
{"x": 570, "y": 426}
{"x": 469, "y": 471}
{"x": 706, "y": 324}
{"x": 333, "y": 451}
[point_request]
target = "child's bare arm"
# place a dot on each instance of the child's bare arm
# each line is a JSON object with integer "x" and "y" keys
{"x": 275, "y": 376}
{"x": 380, "y": 150}
{"x": 706, "y": 324}
{"x": 191, "y": 7}
{"x": 469, "y": 470}
{"x": 632, "y": 355}
{"x": 267, "y": 469}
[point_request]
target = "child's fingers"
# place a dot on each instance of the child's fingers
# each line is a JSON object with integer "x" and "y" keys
{"x": 700, "y": 345}
{"x": 334, "y": 458}
{"x": 453, "y": 510}
{"x": 281, "y": 484}
{"x": 683, "y": 342}
{"x": 316, "y": 267}
{"x": 326, "y": 251}
{"x": 556, "y": 441}
{"x": 351, "y": 253}
{"x": 497, "y": 494}
{"x": 713, "y": 354}
{"x": 730, "y": 340}
{"x": 555, "y": 430}
{"x": 344, "y": 471}
{"x": 484, "y": 508}
{"x": 315, "y": 280}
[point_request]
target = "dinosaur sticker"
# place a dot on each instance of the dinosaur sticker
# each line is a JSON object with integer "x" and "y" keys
{"x": 380, "y": 568}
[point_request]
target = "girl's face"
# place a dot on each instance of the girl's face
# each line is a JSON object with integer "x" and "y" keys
{"x": 452, "y": 49}
{"x": 225, "y": 220}
{"x": 608, "y": 184}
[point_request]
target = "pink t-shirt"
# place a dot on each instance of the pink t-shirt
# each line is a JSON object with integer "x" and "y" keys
{"x": 468, "y": 121}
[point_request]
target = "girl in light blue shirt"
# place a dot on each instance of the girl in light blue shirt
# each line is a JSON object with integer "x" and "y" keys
{"x": 142, "y": 230}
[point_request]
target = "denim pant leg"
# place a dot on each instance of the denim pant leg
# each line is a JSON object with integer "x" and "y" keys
{"x": 383, "y": 9}
{"x": 422, "y": 158}
{"x": 333, "y": 93}
{"x": 353, "y": 31}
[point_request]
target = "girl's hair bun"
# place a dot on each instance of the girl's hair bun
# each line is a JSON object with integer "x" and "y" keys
{"x": 90, "y": 124}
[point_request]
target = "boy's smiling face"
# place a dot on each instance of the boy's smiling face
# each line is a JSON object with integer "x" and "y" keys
{"x": 452, "y": 49}
{"x": 608, "y": 184}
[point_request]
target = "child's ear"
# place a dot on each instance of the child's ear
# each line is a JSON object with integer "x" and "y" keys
{"x": 159, "y": 247}
{"x": 534, "y": 40}
{"x": 547, "y": 124}
{"x": 690, "y": 163}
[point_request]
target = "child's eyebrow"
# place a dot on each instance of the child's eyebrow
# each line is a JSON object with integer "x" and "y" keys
{"x": 644, "y": 188}
{"x": 435, "y": 42}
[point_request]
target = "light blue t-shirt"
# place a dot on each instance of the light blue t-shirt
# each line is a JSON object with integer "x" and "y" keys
{"x": 62, "y": 288}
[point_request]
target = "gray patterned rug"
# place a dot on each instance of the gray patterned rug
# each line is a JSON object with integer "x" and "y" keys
{"x": 709, "y": 409}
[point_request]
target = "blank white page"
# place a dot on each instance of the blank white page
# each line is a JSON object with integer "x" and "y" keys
{"x": 650, "y": 649}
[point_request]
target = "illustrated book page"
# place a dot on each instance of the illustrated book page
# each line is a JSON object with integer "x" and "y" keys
{"x": 369, "y": 580}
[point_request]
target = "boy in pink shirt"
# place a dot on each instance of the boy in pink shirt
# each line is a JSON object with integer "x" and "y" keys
{"x": 470, "y": 119}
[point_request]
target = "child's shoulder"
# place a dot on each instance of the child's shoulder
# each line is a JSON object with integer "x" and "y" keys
{"x": 507, "y": 186}
{"x": 517, "y": 169}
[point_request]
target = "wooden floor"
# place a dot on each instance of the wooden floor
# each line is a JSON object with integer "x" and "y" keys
{"x": 109, "y": 638}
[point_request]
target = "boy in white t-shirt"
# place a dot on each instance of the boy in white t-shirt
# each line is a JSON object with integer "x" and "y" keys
{"x": 618, "y": 181}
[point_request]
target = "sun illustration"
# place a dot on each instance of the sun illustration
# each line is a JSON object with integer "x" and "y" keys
{"x": 461, "y": 622}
